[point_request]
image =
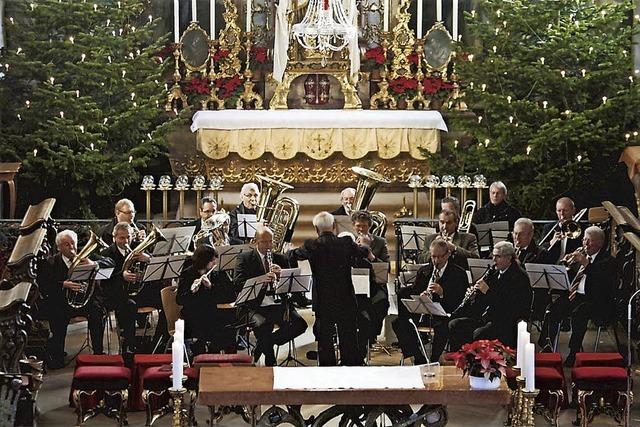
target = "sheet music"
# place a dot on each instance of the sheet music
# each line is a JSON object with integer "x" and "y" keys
{"x": 305, "y": 267}
{"x": 381, "y": 271}
{"x": 343, "y": 223}
{"x": 556, "y": 276}
{"x": 413, "y": 236}
{"x": 247, "y": 224}
{"x": 485, "y": 236}
{"x": 478, "y": 267}
{"x": 178, "y": 240}
{"x": 408, "y": 274}
{"x": 291, "y": 280}
{"x": 228, "y": 256}
{"x": 252, "y": 288}
{"x": 83, "y": 272}
{"x": 422, "y": 304}
{"x": 360, "y": 279}
{"x": 104, "y": 273}
{"x": 164, "y": 267}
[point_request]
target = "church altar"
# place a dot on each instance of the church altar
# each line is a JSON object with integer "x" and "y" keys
{"x": 317, "y": 134}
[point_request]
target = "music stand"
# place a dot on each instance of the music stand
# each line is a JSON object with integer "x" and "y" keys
{"x": 291, "y": 280}
{"x": 228, "y": 256}
{"x": 407, "y": 276}
{"x": 251, "y": 289}
{"x": 360, "y": 280}
{"x": 413, "y": 236}
{"x": 485, "y": 235}
{"x": 84, "y": 273}
{"x": 548, "y": 276}
{"x": 478, "y": 266}
{"x": 104, "y": 273}
{"x": 381, "y": 271}
{"x": 178, "y": 241}
{"x": 343, "y": 223}
{"x": 419, "y": 305}
{"x": 247, "y": 224}
{"x": 164, "y": 267}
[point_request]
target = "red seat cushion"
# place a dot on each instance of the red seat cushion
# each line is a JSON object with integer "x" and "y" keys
{"x": 99, "y": 360}
{"x": 599, "y": 378}
{"x": 141, "y": 362}
{"x": 223, "y": 359}
{"x": 158, "y": 378}
{"x": 549, "y": 360}
{"x": 599, "y": 359}
{"x": 101, "y": 378}
{"x": 549, "y": 378}
{"x": 152, "y": 359}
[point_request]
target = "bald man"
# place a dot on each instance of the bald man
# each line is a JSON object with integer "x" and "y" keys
{"x": 560, "y": 245}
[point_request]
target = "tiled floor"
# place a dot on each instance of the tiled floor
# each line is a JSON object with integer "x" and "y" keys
{"x": 55, "y": 411}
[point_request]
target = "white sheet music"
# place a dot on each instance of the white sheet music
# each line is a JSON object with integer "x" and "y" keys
{"x": 360, "y": 279}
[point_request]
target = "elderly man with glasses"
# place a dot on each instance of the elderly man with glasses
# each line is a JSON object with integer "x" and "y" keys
{"x": 249, "y": 195}
{"x": 497, "y": 302}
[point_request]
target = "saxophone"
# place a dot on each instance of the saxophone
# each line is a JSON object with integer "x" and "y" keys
{"x": 78, "y": 299}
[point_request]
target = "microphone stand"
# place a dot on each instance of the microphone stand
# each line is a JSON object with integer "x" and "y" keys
{"x": 627, "y": 417}
{"x": 428, "y": 372}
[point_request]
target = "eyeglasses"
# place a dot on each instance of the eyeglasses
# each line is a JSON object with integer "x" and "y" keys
{"x": 250, "y": 196}
{"x": 209, "y": 211}
{"x": 127, "y": 212}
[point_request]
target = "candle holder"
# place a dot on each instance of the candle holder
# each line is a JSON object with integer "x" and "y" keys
{"x": 182, "y": 185}
{"x": 249, "y": 98}
{"x": 415, "y": 182}
{"x": 216, "y": 185}
{"x": 181, "y": 414}
{"x": 175, "y": 94}
{"x": 432, "y": 182}
{"x": 518, "y": 402}
{"x": 419, "y": 98}
{"x": 164, "y": 185}
{"x": 528, "y": 402}
{"x": 479, "y": 183}
{"x": 213, "y": 76}
{"x": 148, "y": 185}
{"x": 464, "y": 182}
{"x": 198, "y": 185}
{"x": 448, "y": 182}
{"x": 382, "y": 98}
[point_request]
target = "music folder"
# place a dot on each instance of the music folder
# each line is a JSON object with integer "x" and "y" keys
{"x": 413, "y": 236}
{"x": 178, "y": 240}
{"x": 487, "y": 233}
{"x": 343, "y": 223}
{"x": 164, "y": 267}
{"x": 247, "y": 224}
{"x": 548, "y": 276}
{"x": 252, "y": 288}
{"x": 360, "y": 279}
{"x": 228, "y": 256}
{"x": 292, "y": 280}
{"x": 422, "y": 304}
{"x": 478, "y": 266}
{"x": 84, "y": 272}
{"x": 408, "y": 274}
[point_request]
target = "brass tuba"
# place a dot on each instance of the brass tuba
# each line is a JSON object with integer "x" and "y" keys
{"x": 278, "y": 213}
{"x": 466, "y": 216}
{"x": 138, "y": 267}
{"x": 214, "y": 228}
{"x": 368, "y": 182}
{"x": 78, "y": 299}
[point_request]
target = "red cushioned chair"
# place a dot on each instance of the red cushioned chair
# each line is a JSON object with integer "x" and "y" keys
{"x": 600, "y": 389}
{"x": 599, "y": 359}
{"x": 156, "y": 382}
{"x": 94, "y": 360}
{"x": 109, "y": 383}
{"x": 551, "y": 383}
{"x": 142, "y": 362}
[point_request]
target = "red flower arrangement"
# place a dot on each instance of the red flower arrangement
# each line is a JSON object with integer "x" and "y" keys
{"x": 403, "y": 85}
{"x": 413, "y": 58}
{"x": 433, "y": 85}
{"x": 375, "y": 55}
{"x": 197, "y": 86}
{"x": 259, "y": 54}
{"x": 227, "y": 87}
{"x": 488, "y": 358}
{"x": 220, "y": 54}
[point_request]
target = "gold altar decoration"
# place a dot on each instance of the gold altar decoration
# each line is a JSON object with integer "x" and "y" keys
{"x": 301, "y": 170}
{"x": 402, "y": 42}
{"x": 231, "y": 41}
{"x": 175, "y": 94}
{"x": 249, "y": 99}
{"x": 317, "y": 144}
{"x": 383, "y": 97}
{"x": 194, "y": 49}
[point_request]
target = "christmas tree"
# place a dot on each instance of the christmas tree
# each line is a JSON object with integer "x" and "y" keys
{"x": 554, "y": 98}
{"x": 81, "y": 99}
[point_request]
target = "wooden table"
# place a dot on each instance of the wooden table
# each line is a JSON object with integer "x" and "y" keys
{"x": 7, "y": 172}
{"x": 253, "y": 386}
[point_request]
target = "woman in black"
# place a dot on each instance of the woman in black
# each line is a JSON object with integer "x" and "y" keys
{"x": 200, "y": 290}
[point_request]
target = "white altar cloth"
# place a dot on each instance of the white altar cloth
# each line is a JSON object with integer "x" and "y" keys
{"x": 318, "y": 119}
{"x": 347, "y": 377}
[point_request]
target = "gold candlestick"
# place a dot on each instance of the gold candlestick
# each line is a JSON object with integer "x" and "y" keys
{"x": 175, "y": 94}
{"x": 249, "y": 98}
{"x": 516, "y": 419}
{"x": 180, "y": 417}
{"x": 529, "y": 400}
{"x": 382, "y": 98}
{"x": 148, "y": 191}
{"x": 213, "y": 75}
{"x": 419, "y": 98}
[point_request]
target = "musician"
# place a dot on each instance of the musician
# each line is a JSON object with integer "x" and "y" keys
{"x": 347, "y": 197}
{"x": 208, "y": 207}
{"x": 124, "y": 212}
{"x": 590, "y": 295}
{"x": 53, "y": 280}
{"x": 461, "y": 245}
{"x": 497, "y": 303}
{"x": 560, "y": 244}
{"x": 378, "y": 304}
{"x": 249, "y": 195}
{"x": 526, "y": 248}
{"x": 200, "y": 290}
{"x": 115, "y": 290}
{"x": 497, "y": 209}
{"x": 333, "y": 296}
{"x": 264, "y": 312}
{"x": 444, "y": 282}
{"x": 451, "y": 203}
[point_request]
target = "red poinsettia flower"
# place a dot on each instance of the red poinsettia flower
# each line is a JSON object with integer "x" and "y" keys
{"x": 227, "y": 86}
{"x": 259, "y": 54}
{"x": 413, "y": 58}
{"x": 484, "y": 357}
{"x": 403, "y": 84}
{"x": 376, "y": 54}
{"x": 197, "y": 85}
{"x": 220, "y": 54}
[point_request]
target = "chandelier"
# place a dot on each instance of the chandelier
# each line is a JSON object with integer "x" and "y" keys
{"x": 325, "y": 27}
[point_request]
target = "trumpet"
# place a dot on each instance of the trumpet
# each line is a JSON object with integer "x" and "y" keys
{"x": 570, "y": 260}
{"x": 205, "y": 277}
{"x": 446, "y": 236}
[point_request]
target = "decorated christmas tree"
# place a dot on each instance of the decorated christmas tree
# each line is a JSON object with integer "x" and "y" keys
{"x": 81, "y": 99}
{"x": 554, "y": 100}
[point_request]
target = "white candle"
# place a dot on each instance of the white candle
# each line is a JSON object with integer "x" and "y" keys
{"x": 176, "y": 367}
{"x": 523, "y": 339}
{"x": 194, "y": 6}
{"x": 419, "y": 19}
{"x": 179, "y": 326}
{"x": 530, "y": 368}
{"x": 176, "y": 21}
{"x": 385, "y": 16}
{"x": 212, "y": 18}
{"x": 455, "y": 19}
{"x": 248, "y": 16}
{"x": 438, "y": 10}
{"x": 178, "y": 337}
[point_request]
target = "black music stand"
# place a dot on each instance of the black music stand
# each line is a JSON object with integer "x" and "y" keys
{"x": 291, "y": 280}
{"x": 381, "y": 271}
{"x": 228, "y": 256}
{"x": 84, "y": 272}
{"x": 178, "y": 241}
{"x": 412, "y": 240}
{"x": 423, "y": 305}
{"x": 247, "y": 225}
{"x": 360, "y": 280}
{"x": 486, "y": 234}
{"x": 407, "y": 276}
{"x": 164, "y": 267}
{"x": 477, "y": 267}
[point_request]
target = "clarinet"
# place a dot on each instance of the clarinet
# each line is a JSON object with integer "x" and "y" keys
{"x": 435, "y": 277}
{"x": 472, "y": 294}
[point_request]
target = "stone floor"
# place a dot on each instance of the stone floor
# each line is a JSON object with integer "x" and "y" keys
{"x": 55, "y": 411}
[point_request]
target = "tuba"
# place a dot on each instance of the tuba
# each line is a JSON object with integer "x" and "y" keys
{"x": 466, "y": 216}
{"x": 214, "y": 228}
{"x": 278, "y": 213}
{"x": 138, "y": 267}
{"x": 368, "y": 182}
{"x": 78, "y": 299}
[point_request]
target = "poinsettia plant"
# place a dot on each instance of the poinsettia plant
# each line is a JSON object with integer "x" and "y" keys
{"x": 488, "y": 358}
{"x": 229, "y": 88}
{"x": 374, "y": 59}
{"x": 259, "y": 57}
{"x": 404, "y": 87}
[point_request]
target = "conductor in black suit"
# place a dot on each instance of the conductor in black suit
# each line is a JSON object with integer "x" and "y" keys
{"x": 334, "y": 299}
{"x": 590, "y": 295}
{"x": 249, "y": 195}
{"x": 264, "y": 311}
{"x": 347, "y": 196}
{"x": 498, "y": 209}
{"x": 502, "y": 299}
{"x": 53, "y": 280}
{"x": 446, "y": 283}
{"x": 115, "y": 290}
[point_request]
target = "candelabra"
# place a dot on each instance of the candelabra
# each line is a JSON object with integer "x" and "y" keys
{"x": 382, "y": 96}
{"x": 213, "y": 76}
{"x": 215, "y": 185}
{"x": 249, "y": 97}
{"x": 198, "y": 185}
{"x": 479, "y": 183}
{"x": 464, "y": 182}
{"x": 175, "y": 93}
{"x": 419, "y": 98}
{"x": 448, "y": 182}
{"x": 182, "y": 185}
{"x": 415, "y": 182}
{"x": 148, "y": 185}
{"x": 432, "y": 182}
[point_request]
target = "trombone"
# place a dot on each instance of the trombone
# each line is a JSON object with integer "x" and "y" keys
{"x": 570, "y": 229}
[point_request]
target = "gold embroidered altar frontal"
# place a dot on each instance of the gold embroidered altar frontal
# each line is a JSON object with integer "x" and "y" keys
{"x": 318, "y": 144}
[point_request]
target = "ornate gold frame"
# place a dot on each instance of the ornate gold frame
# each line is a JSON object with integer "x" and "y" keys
{"x": 438, "y": 26}
{"x": 194, "y": 27}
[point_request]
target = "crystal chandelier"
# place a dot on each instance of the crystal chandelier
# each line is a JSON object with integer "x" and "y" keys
{"x": 325, "y": 27}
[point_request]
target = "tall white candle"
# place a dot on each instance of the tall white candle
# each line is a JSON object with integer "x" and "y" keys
{"x": 438, "y": 10}
{"x": 248, "y": 16}
{"x": 455, "y": 19}
{"x": 179, "y": 326}
{"x": 176, "y": 367}
{"x": 385, "y": 16}
{"x": 194, "y": 6}
{"x": 419, "y": 19}
{"x": 176, "y": 21}
{"x": 178, "y": 337}
{"x": 530, "y": 369}
{"x": 212, "y": 18}
{"x": 523, "y": 339}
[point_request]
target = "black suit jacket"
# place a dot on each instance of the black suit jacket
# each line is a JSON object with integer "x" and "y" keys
{"x": 534, "y": 254}
{"x": 331, "y": 258}
{"x": 509, "y": 297}
{"x": 600, "y": 284}
{"x": 233, "y": 224}
{"x": 339, "y": 211}
{"x": 553, "y": 252}
{"x": 250, "y": 264}
{"x": 454, "y": 283}
{"x": 106, "y": 234}
{"x": 204, "y": 300}
{"x": 494, "y": 213}
{"x": 379, "y": 249}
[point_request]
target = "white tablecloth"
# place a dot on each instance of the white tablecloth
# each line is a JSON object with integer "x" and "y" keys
{"x": 345, "y": 377}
